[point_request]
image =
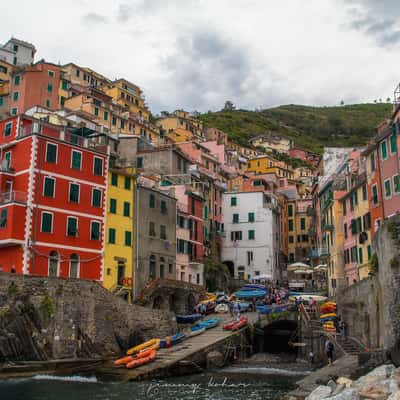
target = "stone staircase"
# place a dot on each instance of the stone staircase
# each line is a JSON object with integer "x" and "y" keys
{"x": 349, "y": 345}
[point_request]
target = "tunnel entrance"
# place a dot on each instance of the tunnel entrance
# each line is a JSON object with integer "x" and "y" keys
{"x": 276, "y": 337}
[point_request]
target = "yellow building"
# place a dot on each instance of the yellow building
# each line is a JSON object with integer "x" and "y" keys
{"x": 180, "y": 126}
{"x": 265, "y": 164}
{"x": 6, "y": 70}
{"x": 119, "y": 248}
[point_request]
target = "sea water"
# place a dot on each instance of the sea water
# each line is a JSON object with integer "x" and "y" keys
{"x": 232, "y": 383}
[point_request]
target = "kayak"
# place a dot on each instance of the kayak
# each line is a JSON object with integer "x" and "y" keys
{"x": 195, "y": 330}
{"x": 128, "y": 359}
{"x": 243, "y": 306}
{"x": 253, "y": 286}
{"x": 221, "y": 308}
{"x": 235, "y": 325}
{"x": 169, "y": 341}
{"x": 264, "y": 309}
{"x": 322, "y": 320}
{"x": 149, "y": 345}
{"x": 248, "y": 294}
{"x": 209, "y": 323}
{"x": 210, "y": 297}
{"x": 188, "y": 319}
{"x": 142, "y": 358}
{"x": 328, "y": 315}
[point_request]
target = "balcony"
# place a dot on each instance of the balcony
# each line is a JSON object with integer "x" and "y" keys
{"x": 324, "y": 251}
{"x": 12, "y": 197}
{"x": 314, "y": 253}
{"x": 319, "y": 253}
{"x": 329, "y": 227}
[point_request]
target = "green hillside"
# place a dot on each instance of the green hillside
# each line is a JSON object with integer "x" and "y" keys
{"x": 310, "y": 127}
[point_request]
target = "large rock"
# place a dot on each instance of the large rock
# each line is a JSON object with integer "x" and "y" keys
{"x": 344, "y": 381}
{"x": 378, "y": 374}
{"x": 321, "y": 392}
{"x": 347, "y": 394}
{"x": 394, "y": 396}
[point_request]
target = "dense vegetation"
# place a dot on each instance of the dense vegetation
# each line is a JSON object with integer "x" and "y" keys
{"x": 311, "y": 127}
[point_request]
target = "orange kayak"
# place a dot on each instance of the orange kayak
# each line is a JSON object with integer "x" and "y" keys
{"x": 123, "y": 360}
{"x": 142, "y": 358}
{"x": 128, "y": 359}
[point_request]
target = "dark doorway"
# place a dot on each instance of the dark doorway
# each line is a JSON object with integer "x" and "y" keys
{"x": 278, "y": 335}
{"x": 231, "y": 267}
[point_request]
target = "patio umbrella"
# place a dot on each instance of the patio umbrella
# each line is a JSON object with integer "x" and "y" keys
{"x": 296, "y": 265}
{"x": 303, "y": 271}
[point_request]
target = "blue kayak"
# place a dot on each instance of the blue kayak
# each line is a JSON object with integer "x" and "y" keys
{"x": 172, "y": 340}
{"x": 264, "y": 309}
{"x": 209, "y": 323}
{"x": 248, "y": 294}
{"x": 253, "y": 286}
{"x": 188, "y": 319}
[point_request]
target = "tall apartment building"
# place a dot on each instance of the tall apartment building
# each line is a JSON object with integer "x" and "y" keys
{"x": 17, "y": 52}
{"x": 52, "y": 201}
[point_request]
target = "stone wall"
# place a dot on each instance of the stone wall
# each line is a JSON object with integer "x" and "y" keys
{"x": 371, "y": 307}
{"x": 50, "y": 318}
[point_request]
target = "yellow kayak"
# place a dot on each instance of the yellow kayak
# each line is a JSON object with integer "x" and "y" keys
{"x": 328, "y": 315}
{"x": 210, "y": 297}
{"x": 152, "y": 344}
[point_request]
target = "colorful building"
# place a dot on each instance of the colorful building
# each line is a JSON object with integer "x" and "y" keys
{"x": 52, "y": 185}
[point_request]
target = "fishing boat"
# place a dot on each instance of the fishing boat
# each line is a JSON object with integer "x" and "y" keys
{"x": 209, "y": 323}
{"x": 152, "y": 344}
{"x": 235, "y": 325}
{"x": 142, "y": 358}
{"x": 249, "y": 294}
{"x": 188, "y": 319}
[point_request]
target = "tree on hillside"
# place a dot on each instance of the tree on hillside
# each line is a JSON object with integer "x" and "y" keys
{"x": 229, "y": 106}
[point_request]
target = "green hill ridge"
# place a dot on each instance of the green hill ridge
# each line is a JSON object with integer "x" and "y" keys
{"x": 311, "y": 128}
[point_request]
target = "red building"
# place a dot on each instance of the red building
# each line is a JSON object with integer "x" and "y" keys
{"x": 196, "y": 228}
{"x": 34, "y": 85}
{"x": 52, "y": 200}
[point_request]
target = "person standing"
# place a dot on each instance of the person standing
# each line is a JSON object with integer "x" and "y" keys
{"x": 329, "y": 351}
{"x": 343, "y": 329}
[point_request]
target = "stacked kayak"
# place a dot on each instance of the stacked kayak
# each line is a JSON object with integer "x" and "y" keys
{"x": 141, "y": 358}
{"x": 188, "y": 319}
{"x": 329, "y": 326}
{"x": 236, "y": 324}
{"x": 328, "y": 316}
{"x": 209, "y": 323}
{"x": 328, "y": 307}
{"x": 152, "y": 344}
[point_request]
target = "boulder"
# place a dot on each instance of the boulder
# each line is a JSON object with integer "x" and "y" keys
{"x": 346, "y": 394}
{"x": 215, "y": 359}
{"x": 394, "y": 396}
{"x": 344, "y": 381}
{"x": 321, "y": 392}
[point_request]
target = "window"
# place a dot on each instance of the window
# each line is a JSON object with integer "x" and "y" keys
{"x": 1, "y": 101}
{"x": 128, "y": 238}
{"x": 62, "y": 100}
{"x": 76, "y": 159}
{"x": 47, "y": 222}
{"x": 369, "y": 252}
{"x": 290, "y": 225}
{"x": 64, "y": 84}
{"x": 127, "y": 209}
{"x": 367, "y": 221}
{"x": 364, "y": 192}
{"x": 235, "y": 218}
{"x": 72, "y": 226}
{"x": 372, "y": 160}
{"x": 360, "y": 255}
{"x": 375, "y": 194}
{"x": 51, "y": 153}
{"x": 51, "y": 74}
{"x": 251, "y": 234}
{"x": 302, "y": 224}
{"x": 344, "y": 207}
{"x": 95, "y": 230}
{"x": 54, "y": 264}
{"x": 96, "y": 197}
{"x": 384, "y": 150}
{"x": 3, "y": 218}
{"x": 114, "y": 179}
{"x": 393, "y": 144}
{"x": 139, "y": 162}
{"x": 7, "y": 129}
{"x": 105, "y": 116}
{"x": 152, "y": 229}
{"x": 152, "y": 200}
{"x": 17, "y": 80}
{"x": 50, "y": 88}
{"x": 114, "y": 121}
{"x": 127, "y": 183}
{"x": 48, "y": 103}
{"x": 355, "y": 194}
{"x": 388, "y": 188}
{"x": 353, "y": 227}
{"x": 163, "y": 232}
{"x": 98, "y": 166}
{"x": 111, "y": 235}
{"x": 74, "y": 266}
{"x": 14, "y": 111}
{"x": 233, "y": 201}
{"x": 163, "y": 207}
{"x": 48, "y": 186}
{"x": 396, "y": 184}
{"x": 236, "y": 235}
{"x": 251, "y": 217}
{"x": 74, "y": 193}
{"x": 96, "y": 111}
{"x": 345, "y": 230}
{"x": 359, "y": 225}
{"x": 15, "y": 96}
{"x": 250, "y": 257}
{"x": 113, "y": 206}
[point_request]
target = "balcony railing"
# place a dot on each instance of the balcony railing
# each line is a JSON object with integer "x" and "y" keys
{"x": 320, "y": 252}
{"x": 12, "y": 197}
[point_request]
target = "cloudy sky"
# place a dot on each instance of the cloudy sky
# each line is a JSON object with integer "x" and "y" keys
{"x": 195, "y": 54}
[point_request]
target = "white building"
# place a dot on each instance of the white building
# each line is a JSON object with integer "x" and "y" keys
{"x": 252, "y": 234}
{"x": 17, "y": 52}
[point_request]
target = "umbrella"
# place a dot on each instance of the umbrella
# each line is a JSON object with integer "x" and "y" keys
{"x": 321, "y": 267}
{"x": 303, "y": 271}
{"x": 296, "y": 265}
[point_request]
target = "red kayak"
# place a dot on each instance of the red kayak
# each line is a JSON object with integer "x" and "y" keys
{"x": 235, "y": 325}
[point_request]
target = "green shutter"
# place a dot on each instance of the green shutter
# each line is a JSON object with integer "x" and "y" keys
{"x": 48, "y": 187}
{"x": 384, "y": 150}
{"x": 251, "y": 217}
{"x": 396, "y": 184}
{"x": 251, "y": 234}
{"x": 369, "y": 252}
{"x": 76, "y": 160}
{"x": 96, "y": 111}
{"x": 127, "y": 184}
{"x": 393, "y": 144}
{"x": 15, "y": 96}
{"x": 74, "y": 193}
{"x": 50, "y": 88}
{"x": 14, "y": 111}
{"x": 152, "y": 202}
{"x": 51, "y": 153}
{"x": 64, "y": 84}
{"x": 17, "y": 80}
{"x": 7, "y": 129}
{"x": 105, "y": 115}
{"x": 95, "y": 231}
{"x": 360, "y": 255}
{"x": 98, "y": 166}
{"x": 163, "y": 207}
{"x": 1, "y": 101}
{"x": 72, "y": 226}
{"x": 128, "y": 238}
{"x": 3, "y": 218}
{"x": 96, "y": 198}
{"x": 47, "y": 222}
{"x": 302, "y": 224}
{"x": 111, "y": 235}
{"x": 290, "y": 225}
{"x": 364, "y": 192}
{"x": 114, "y": 179}
{"x": 113, "y": 206}
{"x": 127, "y": 209}
{"x": 139, "y": 162}
{"x": 388, "y": 188}
{"x": 235, "y": 218}
{"x": 233, "y": 201}
{"x": 375, "y": 194}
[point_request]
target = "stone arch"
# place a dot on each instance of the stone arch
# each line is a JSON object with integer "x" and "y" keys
{"x": 278, "y": 334}
{"x": 158, "y": 302}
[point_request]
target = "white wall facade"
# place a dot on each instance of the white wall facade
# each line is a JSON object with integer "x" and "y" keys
{"x": 251, "y": 257}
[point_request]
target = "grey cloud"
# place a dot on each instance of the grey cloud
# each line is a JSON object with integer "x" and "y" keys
{"x": 375, "y": 19}
{"x": 94, "y": 18}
